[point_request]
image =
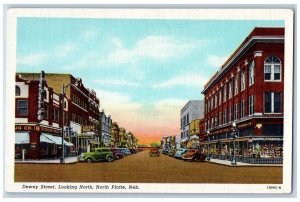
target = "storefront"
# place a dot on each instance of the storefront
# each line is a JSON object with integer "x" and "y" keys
{"x": 39, "y": 142}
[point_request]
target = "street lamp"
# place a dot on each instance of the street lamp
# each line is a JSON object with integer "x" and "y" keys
{"x": 64, "y": 88}
{"x": 234, "y": 136}
{"x": 208, "y": 153}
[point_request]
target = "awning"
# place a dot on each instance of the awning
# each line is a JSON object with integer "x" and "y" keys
{"x": 94, "y": 142}
{"x": 53, "y": 139}
{"x": 22, "y": 138}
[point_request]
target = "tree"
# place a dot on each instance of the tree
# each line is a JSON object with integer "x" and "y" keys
{"x": 155, "y": 144}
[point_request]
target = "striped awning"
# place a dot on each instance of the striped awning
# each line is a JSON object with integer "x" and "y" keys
{"x": 22, "y": 138}
{"x": 48, "y": 138}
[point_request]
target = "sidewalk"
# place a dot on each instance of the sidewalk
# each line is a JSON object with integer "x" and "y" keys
{"x": 68, "y": 160}
{"x": 239, "y": 164}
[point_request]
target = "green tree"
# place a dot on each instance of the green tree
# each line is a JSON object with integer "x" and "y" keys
{"x": 155, "y": 144}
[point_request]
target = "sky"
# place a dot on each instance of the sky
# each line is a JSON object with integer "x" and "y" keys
{"x": 143, "y": 71}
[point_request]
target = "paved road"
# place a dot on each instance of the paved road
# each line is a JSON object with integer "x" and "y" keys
{"x": 141, "y": 168}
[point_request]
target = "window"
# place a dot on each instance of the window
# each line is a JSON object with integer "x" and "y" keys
{"x": 212, "y": 103}
{"x": 209, "y": 105}
{"x": 46, "y": 111}
{"x": 205, "y": 110}
{"x": 216, "y": 100}
{"x": 187, "y": 119}
{"x": 243, "y": 80}
{"x": 18, "y": 91}
{"x": 236, "y": 111}
{"x": 224, "y": 116}
{"x": 225, "y": 93}
{"x": 242, "y": 108}
{"x": 236, "y": 83}
{"x": 251, "y": 73}
{"x": 216, "y": 120}
{"x": 230, "y": 114}
{"x": 22, "y": 108}
{"x": 212, "y": 122}
{"x": 73, "y": 117}
{"x": 272, "y": 69}
{"x": 251, "y": 105}
{"x": 273, "y": 102}
{"x": 220, "y": 118}
{"x": 220, "y": 97}
{"x": 229, "y": 90}
{"x": 55, "y": 115}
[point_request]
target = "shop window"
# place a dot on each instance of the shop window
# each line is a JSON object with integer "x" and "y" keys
{"x": 251, "y": 104}
{"x": 17, "y": 91}
{"x": 243, "y": 80}
{"x": 22, "y": 107}
{"x": 273, "y": 102}
{"x": 272, "y": 67}
{"x": 251, "y": 73}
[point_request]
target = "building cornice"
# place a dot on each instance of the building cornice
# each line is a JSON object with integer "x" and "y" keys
{"x": 232, "y": 60}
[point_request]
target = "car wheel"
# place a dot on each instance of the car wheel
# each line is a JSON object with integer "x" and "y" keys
{"x": 110, "y": 158}
{"x": 89, "y": 160}
{"x": 117, "y": 157}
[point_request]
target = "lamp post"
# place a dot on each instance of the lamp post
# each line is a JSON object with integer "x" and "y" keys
{"x": 208, "y": 153}
{"x": 234, "y": 136}
{"x": 64, "y": 88}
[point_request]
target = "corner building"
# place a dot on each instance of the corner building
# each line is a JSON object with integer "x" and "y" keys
{"x": 248, "y": 90}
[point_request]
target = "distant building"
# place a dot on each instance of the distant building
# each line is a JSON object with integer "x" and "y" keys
{"x": 193, "y": 109}
{"x": 107, "y": 139}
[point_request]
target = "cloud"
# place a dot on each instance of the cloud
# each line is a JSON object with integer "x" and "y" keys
{"x": 116, "y": 82}
{"x": 63, "y": 50}
{"x": 170, "y": 103}
{"x": 187, "y": 79}
{"x": 32, "y": 59}
{"x": 159, "y": 48}
{"x": 216, "y": 61}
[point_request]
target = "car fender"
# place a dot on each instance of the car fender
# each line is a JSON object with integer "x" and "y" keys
{"x": 109, "y": 155}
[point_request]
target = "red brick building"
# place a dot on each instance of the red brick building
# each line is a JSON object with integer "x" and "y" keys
{"x": 38, "y": 138}
{"x": 248, "y": 90}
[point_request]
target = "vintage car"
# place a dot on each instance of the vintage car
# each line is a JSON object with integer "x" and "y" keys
{"x": 172, "y": 152}
{"x": 194, "y": 155}
{"x": 97, "y": 154}
{"x": 154, "y": 151}
{"x": 165, "y": 151}
{"x": 179, "y": 153}
{"x": 117, "y": 153}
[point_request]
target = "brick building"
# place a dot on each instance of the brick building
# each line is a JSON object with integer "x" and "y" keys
{"x": 81, "y": 117}
{"x": 37, "y": 137}
{"x": 248, "y": 90}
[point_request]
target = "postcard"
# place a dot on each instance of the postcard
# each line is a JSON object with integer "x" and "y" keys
{"x": 149, "y": 100}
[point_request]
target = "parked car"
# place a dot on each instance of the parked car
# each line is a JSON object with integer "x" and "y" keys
{"x": 179, "y": 153}
{"x": 194, "y": 155}
{"x": 117, "y": 153}
{"x": 172, "y": 152}
{"x": 125, "y": 151}
{"x": 97, "y": 154}
{"x": 154, "y": 151}
{"x": 133, "y": 151}
{"x": 165, "y": 151}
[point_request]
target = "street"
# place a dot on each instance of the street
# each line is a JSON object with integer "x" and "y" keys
{"x": 141, "y": 168}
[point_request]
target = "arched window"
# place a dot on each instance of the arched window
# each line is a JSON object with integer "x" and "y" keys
{"x": 18, "y": 91}
{"x": 251, "y": 73}
{"x": 272, "y": 69}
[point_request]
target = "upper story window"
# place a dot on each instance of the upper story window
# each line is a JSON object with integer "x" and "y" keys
{"x": 272, "y": 69}
{"x": 22, "y": 107}
{"x": 243, "y": 80}
{"x": 220, "y": 97}
{"x": 225, "y": 92}
{"x": 18, "y": 91}
{"x": 251, "y": 104}
{"x": 229, "y": 90}
{"x": 251, "y": 73}
{"x": 216, "y": 100}
{"x": 236, "y": 85}
{"x": 273, "y": 102}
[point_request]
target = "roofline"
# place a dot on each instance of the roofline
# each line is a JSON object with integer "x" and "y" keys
{"x": 240, "y": 52}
